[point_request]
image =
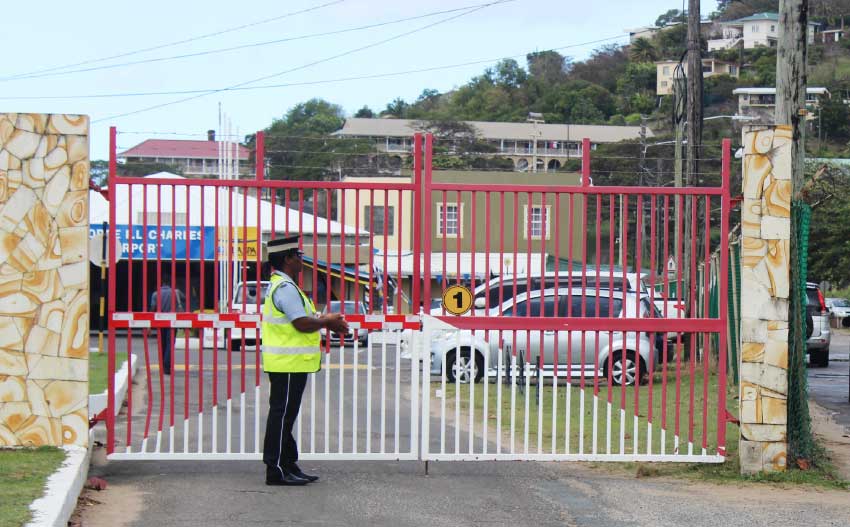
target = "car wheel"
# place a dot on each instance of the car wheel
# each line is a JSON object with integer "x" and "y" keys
{"x": 627, "y": 368}
{"x": 460, "y": 368}
{"x": 845, "y": 322}
{"x": 820, "y": 358}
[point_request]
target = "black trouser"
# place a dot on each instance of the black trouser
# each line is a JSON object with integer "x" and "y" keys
{"x": 166, "y": 341}
{"x": 279, "y": 447}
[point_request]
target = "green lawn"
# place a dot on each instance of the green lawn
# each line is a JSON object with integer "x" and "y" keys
{"x": 580, "y": 422}
{"x": 23, "y": 474}
{"x": 98, "y": 370}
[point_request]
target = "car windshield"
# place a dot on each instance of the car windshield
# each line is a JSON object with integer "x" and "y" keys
{"x": 351, "y": 307}
{"x": 251, "y": 297}
{"x": 812, "y": 297}
{"x": 840, "y": 302}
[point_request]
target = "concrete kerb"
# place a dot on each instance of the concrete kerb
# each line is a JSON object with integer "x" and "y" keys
{"x": 55, "y": 507}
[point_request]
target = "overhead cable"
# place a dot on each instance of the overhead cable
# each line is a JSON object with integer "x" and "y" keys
{"x": 174, "y": 43}
{"x": 235, "y": 48}
{"x": 305, "y": 66}
{"x": 303, "y": 83}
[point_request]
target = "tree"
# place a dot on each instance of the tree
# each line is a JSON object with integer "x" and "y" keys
{"x": 735, "y": 9}
{"x": 834, "y": 119}
{"x": 398, "y": 108}
{"x": 99, "y": 171}
{"x": 585, "y": 112}
{"x": 508, "y": 74}
{"x": 603, "y": 67}
{"x": 642, "y": 50}
{"x": 365, "y": 112}
{"x": 670, "y": 17}
{"x": 549, "y": 66}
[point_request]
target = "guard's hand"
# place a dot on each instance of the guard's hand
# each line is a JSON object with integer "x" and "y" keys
{"x": 336, "y": 322}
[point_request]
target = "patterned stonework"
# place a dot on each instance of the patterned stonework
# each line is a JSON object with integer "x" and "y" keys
{"x": 44, "y": 293}
{"x": 766, "y": 226}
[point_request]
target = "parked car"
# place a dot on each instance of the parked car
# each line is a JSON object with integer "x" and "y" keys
{"x": 347, "y": 307}
{"x": 501, "y": 289}
{"x": 244, "y": 301}
{"x": 817, "y": 317}
{"x": 464, "y": 351}
{"x": 839, "y": 308}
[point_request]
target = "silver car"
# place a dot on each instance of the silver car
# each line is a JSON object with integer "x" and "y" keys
{"x": 464, "y": 351}
{"x": 347, "y": 307}
{"x": 817, "y": 320}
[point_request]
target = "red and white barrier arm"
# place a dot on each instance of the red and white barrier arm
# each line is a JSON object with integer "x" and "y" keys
{"x": 147, "y": 319}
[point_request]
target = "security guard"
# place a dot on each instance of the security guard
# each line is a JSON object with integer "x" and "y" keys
{"x": 291, "y": 350}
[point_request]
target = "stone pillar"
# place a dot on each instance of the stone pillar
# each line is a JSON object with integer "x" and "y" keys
{"x": 765, "y": 279}
{"x": 44, "y": 279}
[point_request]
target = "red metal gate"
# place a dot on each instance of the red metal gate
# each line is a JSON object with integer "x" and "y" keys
{"x": 206, "y": 237}
{"x": 560, "y": 343}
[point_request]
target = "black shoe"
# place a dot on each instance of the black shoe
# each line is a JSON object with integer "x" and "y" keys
{"x": 275, "y": 476}
{"x": 293, "y": 468}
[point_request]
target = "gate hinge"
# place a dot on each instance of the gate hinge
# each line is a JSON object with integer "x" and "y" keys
{"x": 730, "y": 417}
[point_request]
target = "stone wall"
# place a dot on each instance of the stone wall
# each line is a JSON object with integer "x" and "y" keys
{"x": 766, "y": 230}
{"x": 44, "y": 276}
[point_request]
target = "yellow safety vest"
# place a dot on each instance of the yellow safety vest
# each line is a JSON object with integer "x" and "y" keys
{"x": 285, "y": 349}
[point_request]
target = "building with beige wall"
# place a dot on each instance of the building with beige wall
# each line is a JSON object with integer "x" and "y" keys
{"x": 530, "y": 146}
{"x": 761, "y": 102}
{"x": 665, "y": 71}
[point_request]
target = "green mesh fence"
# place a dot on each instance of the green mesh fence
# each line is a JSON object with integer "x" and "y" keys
{"x": 733, "y": 294}
{"x": 800, "y": 440}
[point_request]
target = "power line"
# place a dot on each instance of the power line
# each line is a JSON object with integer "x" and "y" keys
{"x": 176, "y": 42}
{"x": 304, "y": 83}
{"x": 304, "y": 66}
{"x": 236, "y": 48}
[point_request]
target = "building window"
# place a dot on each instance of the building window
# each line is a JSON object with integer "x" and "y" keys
{"x": 755, "y": 28}
{"x": 451, "y": 214}
{"x": 665, "y": 70}
{"x": 663, "y": 84}
{"x": 772, "y": 29}
{"x": 373, "y": 219}
{"x": 537, "y": 222}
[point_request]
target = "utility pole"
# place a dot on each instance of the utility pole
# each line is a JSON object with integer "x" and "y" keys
{"x": 694, "y": 128}
{"x": 641, "y": 170}
{"x": 679, "y": 103}
{"x": 790, "y": 110}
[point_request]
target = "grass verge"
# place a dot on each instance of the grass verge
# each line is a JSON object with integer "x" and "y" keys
{"x": 544, "y": 433}
{"x": 98, "y": 369}
{"x": 23, "y": 475}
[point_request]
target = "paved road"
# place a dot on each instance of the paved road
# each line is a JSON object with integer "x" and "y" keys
{"x": 830, "y": 387}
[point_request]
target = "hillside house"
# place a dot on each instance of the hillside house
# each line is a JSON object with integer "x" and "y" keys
{"x": 665, "y": 70}
{"x": 758, "y": 30}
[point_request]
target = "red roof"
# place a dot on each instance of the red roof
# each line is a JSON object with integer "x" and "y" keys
{"x": 179, "y": 148}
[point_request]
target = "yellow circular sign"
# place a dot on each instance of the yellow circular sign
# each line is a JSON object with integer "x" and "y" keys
{"x": 457, "y": 299}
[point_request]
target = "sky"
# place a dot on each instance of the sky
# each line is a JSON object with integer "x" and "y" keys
{"x": 54, "y": 52}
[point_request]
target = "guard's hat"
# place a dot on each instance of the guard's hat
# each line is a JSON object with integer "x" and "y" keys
{"x": 282, "y": 245}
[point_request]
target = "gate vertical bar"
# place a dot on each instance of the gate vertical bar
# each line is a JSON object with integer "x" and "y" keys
{"x": 110, "y": 395}
{"x": 724, "y": 307}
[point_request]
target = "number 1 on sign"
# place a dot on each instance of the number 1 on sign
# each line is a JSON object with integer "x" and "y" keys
{"x": 457, "y": 299}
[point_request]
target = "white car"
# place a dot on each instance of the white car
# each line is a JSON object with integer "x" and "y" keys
{"x": 244, "y": 301}
{"x": 464, "y": 351}
{"x": 840, "y": 309}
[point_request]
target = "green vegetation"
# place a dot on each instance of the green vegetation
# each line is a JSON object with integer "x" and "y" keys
{"x": 821, "y": 474}
{"x": 98, "y": 371}
{"x": 23, "y": 474}
{"x": 663, "y": 407}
